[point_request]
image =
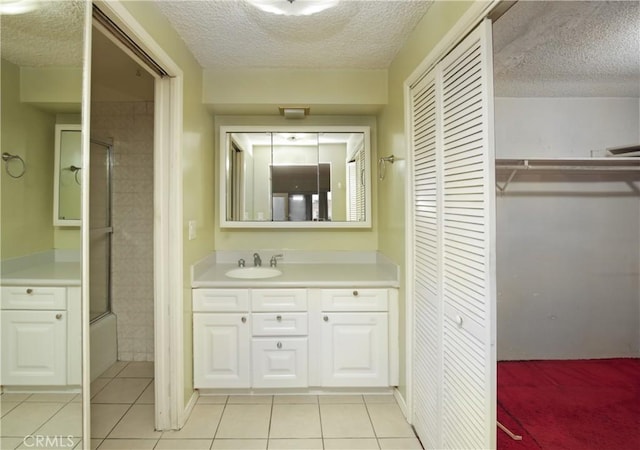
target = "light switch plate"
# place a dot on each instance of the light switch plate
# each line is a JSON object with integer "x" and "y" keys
{"x": 192, "y": 230}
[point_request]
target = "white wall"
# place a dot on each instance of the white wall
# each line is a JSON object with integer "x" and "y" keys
{"x": 568, "y": 243}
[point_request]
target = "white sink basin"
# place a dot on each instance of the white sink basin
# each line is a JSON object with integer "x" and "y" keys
{"x": 253, "y": 272}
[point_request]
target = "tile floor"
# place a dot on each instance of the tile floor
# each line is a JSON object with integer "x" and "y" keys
{"x": 122, "y": 417}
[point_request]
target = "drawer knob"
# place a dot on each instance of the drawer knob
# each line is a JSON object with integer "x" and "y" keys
{"x": 325, "y": 318}
{"x": 279, "y": 318}
{"x": 244, "y": 319}
{"x": 29, "y": 291}
{"x": 355, "y": 293}
{"x": 58, "y": 316}
{"x": 279, "y": 345}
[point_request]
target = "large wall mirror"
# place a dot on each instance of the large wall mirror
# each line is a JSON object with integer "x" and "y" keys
{"x": 295, "y": 177}
{"x": 41, "y": 47}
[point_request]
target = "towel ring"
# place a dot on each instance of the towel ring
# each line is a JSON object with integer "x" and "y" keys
{"x": 382, "y": 165}
{"x": 76, "y": 171}
{"x": 7, "y": 157}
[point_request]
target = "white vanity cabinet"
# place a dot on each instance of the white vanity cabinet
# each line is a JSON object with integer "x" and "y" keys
{"x": 40, "y": 336}
{"x": 221, "y": 338}
{"x": 355, "y": 338}
{"x": 279, "y": 344}
{"x": 295, "y": 338}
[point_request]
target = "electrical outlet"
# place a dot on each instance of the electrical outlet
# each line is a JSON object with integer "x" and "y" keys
{"x": 192, "y": 230}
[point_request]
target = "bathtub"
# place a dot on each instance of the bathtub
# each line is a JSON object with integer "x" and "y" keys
{"x": 103, "y": 344}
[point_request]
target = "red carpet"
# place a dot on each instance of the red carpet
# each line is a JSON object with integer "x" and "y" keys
{"x": 575, "y": 405}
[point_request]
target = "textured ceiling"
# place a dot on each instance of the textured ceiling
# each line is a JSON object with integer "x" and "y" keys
{"x": 51, "y": 35}
{"x": 568, "y": 48}
{"x": 355, "y": 34}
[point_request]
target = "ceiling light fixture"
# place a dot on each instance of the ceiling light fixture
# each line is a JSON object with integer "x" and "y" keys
{"x": 293, "y": 7}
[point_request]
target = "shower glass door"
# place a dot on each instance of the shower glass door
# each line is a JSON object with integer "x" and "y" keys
{"x": 100, "y": 229}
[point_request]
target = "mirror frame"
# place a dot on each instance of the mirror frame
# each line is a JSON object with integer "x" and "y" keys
{"x": 224, "y": 132}
{"x": 57, "y": 221}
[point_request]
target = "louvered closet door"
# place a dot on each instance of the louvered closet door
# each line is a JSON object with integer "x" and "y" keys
{"x": 469, "y": 244}
{"x": 427, "y": 367}
{"x": 454, "y": 326}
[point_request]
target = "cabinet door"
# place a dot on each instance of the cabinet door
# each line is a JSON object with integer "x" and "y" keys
{"x": 221, "y": 350}
{"x": 34, "y": 348}
{"x": 355, "y": 349}
{"x": 279, "y": 362}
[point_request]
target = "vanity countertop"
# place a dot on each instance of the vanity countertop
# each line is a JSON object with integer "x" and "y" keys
{"x": 41, "y": 270}
{"x": 308, "y": 274}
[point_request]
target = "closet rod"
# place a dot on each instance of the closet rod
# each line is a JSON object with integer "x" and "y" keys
{"x": 620, "y": 168}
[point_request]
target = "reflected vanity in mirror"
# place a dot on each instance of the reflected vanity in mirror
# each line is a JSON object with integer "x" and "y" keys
{"x": 66, "y": 177}
{"x": 295, "y": 177}
{"x": 41, "y": 301}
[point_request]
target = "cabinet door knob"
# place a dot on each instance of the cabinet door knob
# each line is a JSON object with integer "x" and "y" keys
{"x": 244, "y": 319}
{"x": 29, "y": 291}
{"x": 325, "y": 318}
{"x": 279, "y": 345}
{"x": 355, "y": 293}
{"x": 459, "y": 321}
{"x": 58, "y": 316}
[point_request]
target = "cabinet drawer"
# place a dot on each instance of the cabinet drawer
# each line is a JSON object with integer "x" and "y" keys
{"x": 265, "y": 300}
{"x": 38, "y": 297}
{"x": 220, "y": 300}
{"x": 279, "y": 324}
{"x": 279, "y": 362}
{"x": 354, "y": 300}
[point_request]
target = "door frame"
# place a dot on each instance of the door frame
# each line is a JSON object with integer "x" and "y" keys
{"x": 476, "y": 13}
{"x": 170, "y": 412}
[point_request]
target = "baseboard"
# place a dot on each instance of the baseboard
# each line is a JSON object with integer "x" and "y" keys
{"x": 402, "y": 404}
{"x": 188, "y": 408}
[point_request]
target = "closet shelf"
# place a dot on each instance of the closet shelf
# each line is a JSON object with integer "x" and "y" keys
{"x": 606, "y": 164}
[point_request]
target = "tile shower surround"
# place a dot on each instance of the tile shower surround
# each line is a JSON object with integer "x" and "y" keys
{"x": 130, "y": 125}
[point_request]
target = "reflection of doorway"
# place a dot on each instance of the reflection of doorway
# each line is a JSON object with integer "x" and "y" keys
{"x": 301, "y": 192}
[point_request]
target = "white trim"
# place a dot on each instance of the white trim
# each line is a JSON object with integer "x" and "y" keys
{"x": 469, "y": 20}
{"x": 168, "y": 260}
{"x": 400, "y": 400}
{"x": 222, "y": 182}
{"x": 84, "y": 229}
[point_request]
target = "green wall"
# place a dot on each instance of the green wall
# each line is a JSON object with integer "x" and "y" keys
{"x": 440, "y": 17}
{"x": 27, "y": 202}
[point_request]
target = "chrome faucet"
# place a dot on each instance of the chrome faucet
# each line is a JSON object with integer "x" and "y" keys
{"x": 256, "y": 260}
{"x": 274, "y": 260}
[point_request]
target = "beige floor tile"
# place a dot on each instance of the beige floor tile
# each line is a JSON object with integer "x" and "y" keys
{"x": 50, "y": 398}
{"x": 5, "y": 407}
{"x": 95, "y": 443}
{"x": 295, "y": 421}
{"x": 66, "y": 422}
{"x": 295, "y": 399}
{"x": 351, "y": 444}
{"x": 148, "y": 395}
{"x": 345, "y": 421}
{"x": 183, "y": 444}
{"x": 328, "y": 399}
{"x": 201, "y": 424}
{"x": 104, "y": 417}
{"x": 400, "y": 444}
{"x": 128, "y": 444}
{"x": 77, "y": 398}
{"x": 13, "y": 397}
{"x": 297, "y": 444}
{"x": 97, "y": 385}
{"x": 114, "y": 369}
{"x": 122, "y": 390}
{"x": 379, "y": 398}
{"x": 212, "y": 399}
{"x": 28, "y": 417}
{"x": 137, "y": 423}
{"x": 239, "y": 444}
{"x": 8, "y": 443}
{"x": 250, "y": 399}
{"x": 245, "y": 421}
{"x": 388, "y": 421}
{"x": 55, "y": 442}
{"x": 138, "y": 369}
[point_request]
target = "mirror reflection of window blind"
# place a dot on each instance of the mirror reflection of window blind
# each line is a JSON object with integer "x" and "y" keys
{"x": 360, "y": 186}
{"x": 352, "y": 177}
